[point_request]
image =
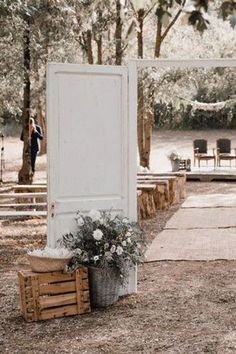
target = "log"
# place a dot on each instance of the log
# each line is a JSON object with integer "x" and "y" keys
{"x": 181, "y": 181}
{"x": 161, "y": 193}
{"x": 177, "y": 188}
{"x": 173, "y": 195}
{"x": 146, "y": 203}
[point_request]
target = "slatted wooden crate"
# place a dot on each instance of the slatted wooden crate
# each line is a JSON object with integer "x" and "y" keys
{"x": 185, "y": 164}
{"x": 56, "y": 294}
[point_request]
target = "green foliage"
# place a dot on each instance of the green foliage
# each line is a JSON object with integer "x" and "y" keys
{"x": 228, "y": 8}
{"x": 178, "y": 90}
{"x": 105, "y": 241}
{"x": 201, "y": 4}
{"x": 57, "y": 28}
{"x": 221, "y": 86}
{"x": 196, "y": 19}
{"x": 10, "y": 123}
{"x": 164, "y": 115}
{"x": 185, "y": 117}
{"x": 7, "y": 117}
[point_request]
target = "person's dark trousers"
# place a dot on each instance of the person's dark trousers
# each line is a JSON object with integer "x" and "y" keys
{"x": 33, "y": 159}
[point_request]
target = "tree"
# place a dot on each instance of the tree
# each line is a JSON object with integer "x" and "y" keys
{"x": 25, "y": 176}
{"x": 105, "y": 30}
{"x": 227, "y": 9}
{"x": 141, "y": 10}
{"x": 38, "y": 26}
{"x": 94, "y": 18}
{"x": 11, "y": 73}
{"x": 167, "y": 13}
{"x": 22, "y": 21}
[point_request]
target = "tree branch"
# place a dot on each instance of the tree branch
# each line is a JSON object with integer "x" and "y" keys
{"x": 148, "y": 11}
{"x": 124, "y": 48}
{"x": 172, "y": 22}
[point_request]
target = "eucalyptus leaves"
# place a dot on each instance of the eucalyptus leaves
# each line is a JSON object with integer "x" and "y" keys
{"x": 106, "y": 241}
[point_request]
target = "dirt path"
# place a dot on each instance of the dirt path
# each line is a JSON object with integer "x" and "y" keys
{"x": 180, "y": 308}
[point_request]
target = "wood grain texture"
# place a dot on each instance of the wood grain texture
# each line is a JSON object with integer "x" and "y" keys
{"x": 55, "y": 294}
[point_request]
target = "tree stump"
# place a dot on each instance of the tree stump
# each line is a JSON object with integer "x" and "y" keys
{"x": 161, "y": 192}
{"x": 146, "y": 203}
{"x": 177, "y": 183}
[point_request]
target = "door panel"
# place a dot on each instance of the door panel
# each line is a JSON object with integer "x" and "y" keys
{"x": 89, "y": 161}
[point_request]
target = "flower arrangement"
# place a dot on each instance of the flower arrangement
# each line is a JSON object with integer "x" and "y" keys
{"x": 173, "y": 156}
{"x": 105, "y": 241}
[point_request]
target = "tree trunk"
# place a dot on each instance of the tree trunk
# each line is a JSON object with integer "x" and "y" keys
{"x": 110, "y": 47}
{"x": 148, "y": 123}
{"x": 89, "y": 46}
{"x": 144, "y": 127}
{"x": 42, "y": 122}
{"x": 141, "y": 13}
{"x": 99, "y": 50}
{"x": 25, "y": 176}
{"x": 158, "y": 39}
{"x": 140, "y": 123}
{"x": 118, "y": 34}
{"x": 41, "y": 105}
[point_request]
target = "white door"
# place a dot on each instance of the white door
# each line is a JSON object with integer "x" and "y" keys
{"x": 91, "y": 144}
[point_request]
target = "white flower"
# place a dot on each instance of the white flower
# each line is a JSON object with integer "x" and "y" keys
{"x": 119, "y": 250}
{"x": 125, "y": 220}
{"x": 94, "y": 215}
{"x": 97, "y": 234}
{"x": 129, "y": 240}
{"x": 78, "y": 251}
{"x": 108, "y": 255}
{"x": 113, "y": 249}
{"x": 106, "y": 246}
{"x": 128, "y": 234}
{"x": 123, "y": 243}
{"x": 96, "y": 258}
{"x": 80, "y": 221}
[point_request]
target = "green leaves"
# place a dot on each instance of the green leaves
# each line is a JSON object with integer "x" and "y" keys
{"x": 159, "y": 12}
{"x": 168, "y": 9}
{"x": 228, "y": 8}
{"x": 201, "y": 4}
{"x": 179, "y": 2}
{"x": 104, "y": 240}
{"x": 197, "y": 20}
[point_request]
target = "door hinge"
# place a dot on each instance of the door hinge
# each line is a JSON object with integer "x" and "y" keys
{"x": 52, "y": 209}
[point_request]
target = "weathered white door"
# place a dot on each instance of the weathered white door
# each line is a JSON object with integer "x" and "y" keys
{"x": 91, "y": 144}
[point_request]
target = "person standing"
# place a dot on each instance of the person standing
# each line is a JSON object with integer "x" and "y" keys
{"x": 35, "y": 134}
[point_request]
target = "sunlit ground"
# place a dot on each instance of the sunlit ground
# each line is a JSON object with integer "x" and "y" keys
{"x": 163, "y": 143}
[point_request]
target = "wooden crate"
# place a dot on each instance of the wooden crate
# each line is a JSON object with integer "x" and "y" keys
{"x": 185, "y": 164}
{"x": 56, "y": 294}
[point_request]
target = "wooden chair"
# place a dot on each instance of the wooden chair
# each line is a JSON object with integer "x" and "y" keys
{"x": 200, "y": 152}
{"x": 224, "y": 151}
